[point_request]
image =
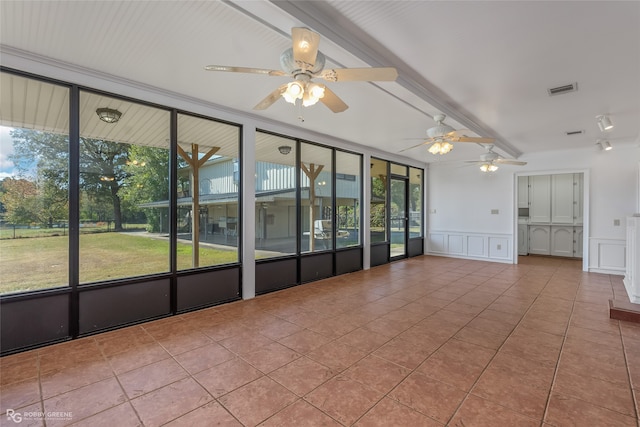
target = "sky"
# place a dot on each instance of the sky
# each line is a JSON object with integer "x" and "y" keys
{"x": 7, "y": 168}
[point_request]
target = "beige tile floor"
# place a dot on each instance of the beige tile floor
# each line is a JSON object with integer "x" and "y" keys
{"x": 424, "y": 342}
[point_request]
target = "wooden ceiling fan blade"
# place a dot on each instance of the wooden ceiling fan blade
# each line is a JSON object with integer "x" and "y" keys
{"x": 360, "y": 74}
{"x": 331, "y": 100}
{"x": 271, "y": 98}
{"x": 305, "y": 47}
{"x": 510, "y": 162}
{"x": 475, "y": 139}
{"x": 249, "y": 70}
{"x": 415, "y": 146}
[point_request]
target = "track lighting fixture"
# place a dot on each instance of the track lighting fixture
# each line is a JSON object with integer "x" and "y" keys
{"x": 604, "y": 122}
{"x": 604, "y": 145}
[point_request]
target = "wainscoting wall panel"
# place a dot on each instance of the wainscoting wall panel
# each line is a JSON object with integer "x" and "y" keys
{"x": 490, "y": 247}
{"x": 607, "y": 256}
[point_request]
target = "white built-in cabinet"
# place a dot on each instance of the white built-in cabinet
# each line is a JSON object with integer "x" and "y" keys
{"x": 523, "y": 191}
{"x": 562, "y": 198}
{"x": 523, "y": 239}
{"x": 561, "y": 241}
{"x": 540, "y": 199}
{"x": 578, "y": 203}
{"x": 539, "y": 239}
{"x": 577, "y": 242}
{"x": 556, "y": 214}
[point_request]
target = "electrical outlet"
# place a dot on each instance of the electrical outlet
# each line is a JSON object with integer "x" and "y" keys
{"x": 432, "y": 211}
{"x": 616, "y": 222}
{"x": 495, "y": 211}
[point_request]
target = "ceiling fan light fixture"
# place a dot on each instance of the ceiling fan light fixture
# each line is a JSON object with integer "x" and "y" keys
{"x": 604, "y": 122}
{"x": 293, "y": 92}
{"x": 488, "y": 167}
{"x": 316, "y": 90}
{"x": 308, "y": 100}
{"x": 108, "y": 115}
{"x": 312, "y": 94}
{"x": 440, "y": 148}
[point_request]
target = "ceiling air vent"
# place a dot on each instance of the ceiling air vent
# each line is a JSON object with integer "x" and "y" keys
{"x": 574, "y": 132}
{"x": 563, "y": 89}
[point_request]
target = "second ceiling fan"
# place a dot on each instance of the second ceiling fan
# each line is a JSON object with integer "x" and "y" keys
{"x": 303, "y": 61}
{"x": 490, "y": 160}
{"x": 441, "y": 137}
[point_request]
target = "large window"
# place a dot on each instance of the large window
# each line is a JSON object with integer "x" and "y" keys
{"x": 34, "y": 184}
{"x": 124, "y": 169}
{"x": 348, "y": 184}
{"x": 378, "y": 213}
{"x": 275, "y": 206}
{"x": 208, "y": 192}
{"x": 316, "y": 198}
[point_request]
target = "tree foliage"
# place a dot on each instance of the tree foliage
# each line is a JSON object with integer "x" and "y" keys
{"x": 115, "y": 178}
{"x": 148, "y": 182}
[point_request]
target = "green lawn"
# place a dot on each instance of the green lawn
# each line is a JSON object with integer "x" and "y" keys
{"x": 42, "y": 262}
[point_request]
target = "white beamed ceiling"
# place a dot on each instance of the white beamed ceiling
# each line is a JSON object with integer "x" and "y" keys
{"x": 487, "y": 65}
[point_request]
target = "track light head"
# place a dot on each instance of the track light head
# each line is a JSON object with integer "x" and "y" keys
{"x": 604, "y": 145}
{"x": 604, "y": 122}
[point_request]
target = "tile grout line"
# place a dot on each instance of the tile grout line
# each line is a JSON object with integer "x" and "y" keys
{"x": 510, "y": 334}
{"x": 370, "y": 353}
{"x": 555, "y": 370}
{"x": 468, "y": 393}
{"x": 124, "y": 392}
{"x": 634, "y": 396}
{"x": 414, "y": 370}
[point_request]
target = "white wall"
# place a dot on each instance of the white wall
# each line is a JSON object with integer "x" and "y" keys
{"x": 463, "y": 197}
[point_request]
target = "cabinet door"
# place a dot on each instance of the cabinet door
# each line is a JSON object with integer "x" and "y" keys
{"x": 578, "y": 201}
{"x": 562, "y": 198}
{"x": 523, "y": 239}
{"x": 523, "y": 191}
{"x": 540, "y": 198}
{"x": 562, "y": 241}
{"x": 539, "y": 239}
{"x": 577, "y": 242}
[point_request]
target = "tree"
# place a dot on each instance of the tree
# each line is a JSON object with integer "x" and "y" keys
{"x": 27, "y": 202}
{"x": 20, "y": 200}
{"x": 378, "y": 201}
{"x": 148, "y": 182}
{"x": 3, "y": 210}
{"x": 103, "y": 165}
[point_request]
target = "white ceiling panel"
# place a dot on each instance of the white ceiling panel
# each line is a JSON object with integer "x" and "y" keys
{"x": 487, "y": 65}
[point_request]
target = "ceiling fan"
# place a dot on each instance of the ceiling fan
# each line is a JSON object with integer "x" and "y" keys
{"x": 490, "y": 160}
{"x": 303, "y": 62}
{"x": 442, "y": 136}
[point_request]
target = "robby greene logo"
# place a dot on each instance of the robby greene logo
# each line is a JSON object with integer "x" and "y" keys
{"x": 17, "y": 417}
